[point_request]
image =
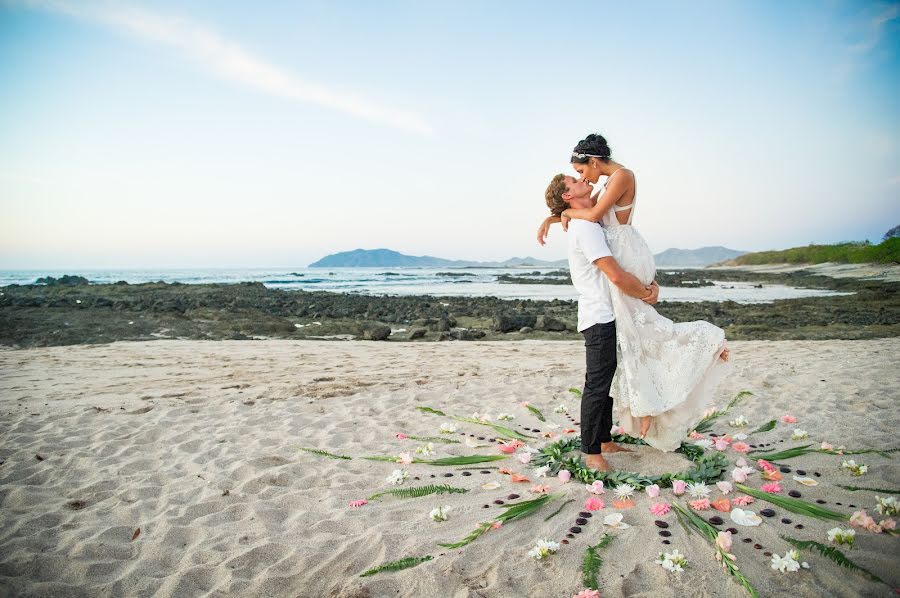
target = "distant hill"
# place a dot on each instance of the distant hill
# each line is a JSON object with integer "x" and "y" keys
{"x": 387, "y": 258}
{"x": 695, "y": 258}
{"x": 886, "y": 252}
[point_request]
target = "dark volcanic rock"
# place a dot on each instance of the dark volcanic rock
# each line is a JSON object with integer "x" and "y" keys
{"x": 64, "y": 280}
{"x": 550, "y": 324}
{"x": 415, "y": 333}
{"x": 372, "y": 331}
{"x": 511, "y": 321}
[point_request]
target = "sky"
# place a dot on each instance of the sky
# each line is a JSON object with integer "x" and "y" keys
{"x": 212, "y": 133}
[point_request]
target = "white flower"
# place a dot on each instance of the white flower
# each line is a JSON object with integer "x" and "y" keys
{"x": 439, "y": 514}
{"x": 799, "y": 434}
{"x": 523, "y": 458}
{"x": 745, "y": 517}
{"x": 506, "y": 417}
{"x": 561, "y": 408}
{"x": 887, "y": 506}
{"x": 855, "y": 469}
{"x": 541, "y": 472}
{"x": 595, "y": 488}
{"x": 425, "y": 451}
{"x": 674, "y": 561}
{"x": 482, "y": 416}
{"x": 404, "y": 458}
{"x": 543, "y": 549}
{"x": 842, "y": 536}
{"x": 448, "y": 428}
{"x": 397, "y": 477}
{"x": 724, "y": 487}
{"x": 786, "y": 563}
{"x": 472, "y": 443}
{"x": 623, "y": 491}
{"x": 615, "y": 520}
{"x": 704, "y": 443}
{"x": 698, "y": 490}
{"x": 739, "y": 422}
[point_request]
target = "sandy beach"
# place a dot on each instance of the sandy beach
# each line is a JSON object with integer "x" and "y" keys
{"x": 194, "y": 444}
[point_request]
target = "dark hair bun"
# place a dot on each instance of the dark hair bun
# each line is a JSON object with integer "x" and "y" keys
{"x": 595, "y": 145}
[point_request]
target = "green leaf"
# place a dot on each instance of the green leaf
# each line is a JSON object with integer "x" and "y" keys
{"x": 513, "y": 511}
{"x": 556, "y": 512}
{"x": 878, "y": 490}
{"x": 537, "y": 412}
{"x": 592, "y": 562}
{"x": 502, "y": 430}
{"x": 464, "y": 460}
{"x": 381, "y": 458}
{"x": 434, "y": 439}
{"x": 405, "y": 563}
{"x": 474, "y": 535}
{"x": 794, "y": 505}
{"x": 575, "y": 392}
{"x": 322, "y": 453}
{"x": 769, "y": 425}
{"x": 706, "y": 423}
{"x": 832, "y": 553}
{"x": 430, "y": 410}
{"x": 790, "y": 453}
{"x": 420, "y": 491}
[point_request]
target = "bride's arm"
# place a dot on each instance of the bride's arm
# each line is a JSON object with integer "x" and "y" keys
{"x": 544, "y": 228}
{"x": 614, "y": 193}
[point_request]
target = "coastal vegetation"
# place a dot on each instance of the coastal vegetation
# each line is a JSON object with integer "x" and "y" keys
{"x": 886, "y": 252}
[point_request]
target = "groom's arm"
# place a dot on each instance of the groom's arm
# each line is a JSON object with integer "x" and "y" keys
{"x": 627, "y": 282}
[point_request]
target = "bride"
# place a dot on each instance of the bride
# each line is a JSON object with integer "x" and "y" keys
{"x": 667, "y": 373}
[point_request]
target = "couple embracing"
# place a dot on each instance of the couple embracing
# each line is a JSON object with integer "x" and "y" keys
{"x": 663, "y": 375}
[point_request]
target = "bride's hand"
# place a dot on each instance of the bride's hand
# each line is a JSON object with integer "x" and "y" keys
{"x": 564, "y": 219}
{"x": 543, "y": 229}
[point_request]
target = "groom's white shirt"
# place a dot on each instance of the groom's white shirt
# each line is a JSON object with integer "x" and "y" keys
{"x": 587, "y": 243}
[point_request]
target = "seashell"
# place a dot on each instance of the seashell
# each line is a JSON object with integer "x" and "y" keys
{"x": 745, "y": 517}
{"x": 805, "y": 481}
{"x": 491, "y": 486}
{"x": 615, "y": 520}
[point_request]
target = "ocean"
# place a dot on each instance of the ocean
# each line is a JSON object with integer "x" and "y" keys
{"x": 467, "y": 282}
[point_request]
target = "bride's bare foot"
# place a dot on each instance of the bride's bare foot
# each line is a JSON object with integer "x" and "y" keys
{"x": 612, "y": 447}
{"x": 596, "y": 462}
{"x": 724, "y": 354}
{"x": 645, "y": 425}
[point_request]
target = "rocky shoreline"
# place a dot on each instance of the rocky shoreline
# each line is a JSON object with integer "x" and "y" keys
{"x": 72, "y": 311}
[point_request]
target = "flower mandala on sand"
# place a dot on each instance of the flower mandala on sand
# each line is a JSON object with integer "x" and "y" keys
{"x": 853, "y": 468}
{"x": 704, "y": 443}
{"x": 695, "y": 435}
{"x": 439, "y": 514}
{"x": 355, "y": 504}
{"x": 842, "y": 536}
{"x": 788, "y": 562}
{"x": 594, "y": 504}
{"x": 698, "y": 490}
{"x": 788, "y": 419}
{"x": 624, "y": 491}
{"x": 506, "y": 417}
{"x": 660, "y": 508}
{"x": 739, "y": 436}
{"x": 799, "y": 434}
{"x": 541, "y": 472}
{"x": 748, "y": 518}
{"x": 506, "y": 448}
{"x": 397, "y": 477}
{"x": 674, "y": 561}
{"x": 425, "y": 451}
{"x": 771, "y": 487}
{"x": 400, "y": 436}
{"x": 723, "y": 544}
{"x": 826, "y": 446}
{"x": 519, "y": 478}
{"x": 543, "y": 549}
{"x": 596, "y": 488}
{"x": 490, "y": 486}
{"x": 863, "y": 520}
{"x": 701, "y": 504}
{"x": 617, "y": 430}
{"x": 805, "y": 481}
{"x": 625, "y": 503}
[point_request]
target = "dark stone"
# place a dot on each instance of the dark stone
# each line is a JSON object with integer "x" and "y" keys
{"x": 767, "y": 513}
{"x": 550, "y": 324}
{"x": 732, "y": 530}
{"x": 448, "y": 475}
{"x": 665, "y": 533}
{"x": 485, "y": 471}
{"x": 794, "y": 494}
{"x": 798, "y": 526}
{"x": 511, "y": 321}
{"x": 570, "y": 535}
{"x": 581, "y": 521}
{"x": 716, "y": 520}
{"x": 786, "y": 521}
{"x": 757, "y": 546}
{"x": 587, "y": 514}
{"x": 467, "y": 473}
{"x": 801, "y": 472}
{"x": 785, "y": 469}
{"x": 661, "y": 524}
{"x": 375, "y": 332}
{"x": 667, "y": 541}
{"x": 499, "y": 502}
{"x": 747, "y": 540}
{"x": 820, "y": 501}
{"x": 512, "y": 497}
{"x": 415, "y": 333}
{"x": 575, "y": 530}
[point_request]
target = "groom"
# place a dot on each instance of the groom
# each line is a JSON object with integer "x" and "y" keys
{"x": 592, "y": 268}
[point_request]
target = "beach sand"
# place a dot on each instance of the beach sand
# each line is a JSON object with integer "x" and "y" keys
{"x": 195, "y": 444}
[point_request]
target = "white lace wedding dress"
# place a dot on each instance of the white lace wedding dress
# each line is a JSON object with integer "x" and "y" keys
{"x": 666, "y": 370}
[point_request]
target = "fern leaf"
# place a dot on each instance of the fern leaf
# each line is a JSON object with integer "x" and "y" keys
{"x": 430, "y": 410}
{"x": 405, "y": 563}
{"x": 464, "y": 460}
{"x": 769, "y": 425}
{"x": 878, "y": 490}
{"x": 322, "y": 453}
{"x": 592, "y": 562}
{"x": 434, "y": 439}
{"x": 420, "y": 491}
{"x": 537, "y": 412}
{"x": 832, "y": 553}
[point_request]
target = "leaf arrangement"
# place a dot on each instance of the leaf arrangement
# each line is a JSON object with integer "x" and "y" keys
{"x": 464, "y": 460}
{"x": 799, "y": 451}
{"x": 502, "y": 430}
{"x": 794, "y": 505}
{"x": 537, "y": 412}
{"x": 322, "y": 453}
{"x": 878, "y": 490}
{"x": 832, "y": 553}
{"x": 557, "y": 511}
{"x": 434, "y": 439}
{"x": 706, "y": 423}
{"x": 420, "y": 491}
{"x": 513, "y": 511}
{"x": 430, "y": 410}
{"x": 592, "y": 562}
{"x": 769, "y": 425}
{"x": 702, "y": 527}
{"x": 405, "y": 563}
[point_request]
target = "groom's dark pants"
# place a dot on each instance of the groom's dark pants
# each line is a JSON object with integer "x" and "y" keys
{"x": 596, "y": 404}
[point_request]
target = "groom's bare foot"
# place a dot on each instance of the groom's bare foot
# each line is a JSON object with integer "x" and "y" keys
{"x": 612, "y": 447}
{"x": 596, "y": 462}
{"x": 724, "y": 354}
{"x": 645, "y": 425}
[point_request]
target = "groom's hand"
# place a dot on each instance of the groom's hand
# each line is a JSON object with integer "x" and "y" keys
{"x": 653, "y": 297}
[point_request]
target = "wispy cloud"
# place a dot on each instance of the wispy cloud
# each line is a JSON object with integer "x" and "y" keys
{"x": 874, "y": 29}
{"x": 227, "y": 59}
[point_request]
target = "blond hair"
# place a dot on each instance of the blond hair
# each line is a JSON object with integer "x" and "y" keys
{"x": 554, "y": 195}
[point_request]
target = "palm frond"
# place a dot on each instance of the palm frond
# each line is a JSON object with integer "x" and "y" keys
{"x": 878, "y": 490}
{"x": 405, "y": 563}
{"x": 790, "y": 453}
{"x": 434, "y": 439}
{"x": 420, "y": 491}
{"x": 794, "y": 505}
{"x": 557, "y": 511}
{"x": 769, "y": 425}
{"x": 502, "y": 430}
{"x": 592, "y": 562}
{"x": 474, "y": 535}
{"x": 537, "y": 412}
{"x": 430, "y": 410}
{"x": 706, "y": 423}
{"x": 513, "y": 511}
{"x": 832, "y": 553}
{"x": 575, "y": 392}
{"x": 322, "y": 453}
{"x": 463, "y": 460}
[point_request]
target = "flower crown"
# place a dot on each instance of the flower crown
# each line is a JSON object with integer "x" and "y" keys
{"x": 583, "y": 156}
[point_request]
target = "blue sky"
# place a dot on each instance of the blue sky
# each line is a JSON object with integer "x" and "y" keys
{"x": 213, "y": 133}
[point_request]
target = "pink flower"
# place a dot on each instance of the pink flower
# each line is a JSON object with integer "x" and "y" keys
{"x": 721, "y": 444}
{"x": 827, "y": 446}
{"x": 763, "y": 464}
{"x": 788, "y": 419}
{"x": 722, "y": 504}
{"x": 695, "y": 435}
{"x": 404, "y": 458}
{"x": 524, "y": 403}
{"x": 660, "y": 508}
{"x": 652, "y": 491}
{"x": 700, "y": 505}
{"x": 741, "y": 447}
{"x": 861, "y": 520}
{"x": 723, "y": 541}
{"x": 709, "y": 412}
{"x": 564, "y": 475}
{"x": 516, "y": 443}
{"x": 617, "y": 430}
{"x": 724, "y": 487}
{"x": 596, "y": 488}
{"x": 524, "y": 458}
{"x": 888, "y": 524}
{"x": 771, "y": 487}
{"x": 355, "y": 504}
{"x": 497, "y": 525}
{"x": 587, "y": 594}
{"x": 539, "y": 489}
{"x": 506, "y": 448}
{"x": 741, "y": 462}
{"x": 739, "y": 474}
{"x": 400, "y": 436}
{"x": 678, "y": 487}
{"x": 742, "y": 501}
{"x": 594, "y": 504}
